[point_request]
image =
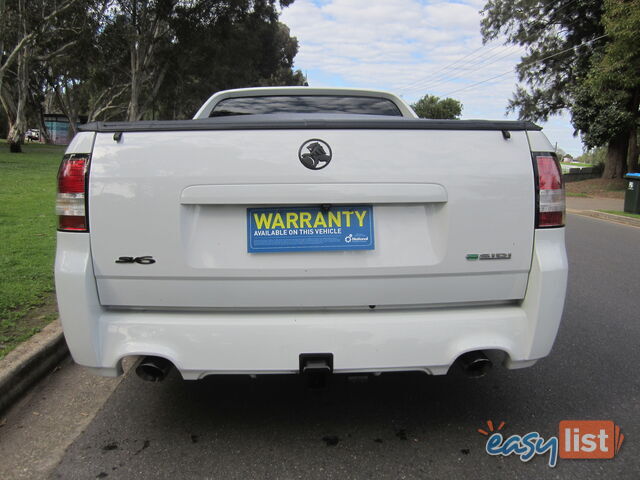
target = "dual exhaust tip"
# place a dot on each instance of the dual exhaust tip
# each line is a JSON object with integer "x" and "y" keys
{"x": 153, "y": 369}
{"x": 474, "y": 364}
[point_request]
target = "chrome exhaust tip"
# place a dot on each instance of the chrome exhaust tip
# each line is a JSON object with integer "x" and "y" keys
{"x": 475, "y": 364}
{"x": 153, "y": 369}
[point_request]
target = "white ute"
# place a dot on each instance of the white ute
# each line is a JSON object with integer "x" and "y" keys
{"x": 298, "y": 229}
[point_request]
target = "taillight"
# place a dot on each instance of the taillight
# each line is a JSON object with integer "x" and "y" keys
{"x": 71, "y": 201}
{"x": 550, "y": 191}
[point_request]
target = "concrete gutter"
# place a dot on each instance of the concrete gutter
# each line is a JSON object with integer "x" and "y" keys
{"x": 29, "y": 362}
{"x": 634, "y": 222}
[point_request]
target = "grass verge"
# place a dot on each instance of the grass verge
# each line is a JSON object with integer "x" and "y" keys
{"x": 27, "y": 230}
{"x": 572, "y": 164}
{"x": 597, "y": 187}
{"x": 624, "y": 214}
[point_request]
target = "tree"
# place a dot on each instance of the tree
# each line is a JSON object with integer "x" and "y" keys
{"x": 22, "y": 28}
{"x": 181, "y": 52}
{"x": 607, "y": 101}
{"x": 594, "y": 156}
{"x": 135, "y": 59}
{"x": 146, "y": 28}
{"x": 431, "y": 106}
{"x": 233, "y": 47}
{"x": 559, "y": 37}
{"x": 64, "y": 77}
{"x": 162, "y": 58}
{"x": 581, "y": 56}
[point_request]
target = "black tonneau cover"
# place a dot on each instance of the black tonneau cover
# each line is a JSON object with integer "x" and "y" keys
{"x": 306, "y": 121}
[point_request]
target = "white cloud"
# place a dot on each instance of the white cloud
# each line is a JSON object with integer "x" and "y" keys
{"x": 452, "y": 15}
{"x": 405, "y": 46}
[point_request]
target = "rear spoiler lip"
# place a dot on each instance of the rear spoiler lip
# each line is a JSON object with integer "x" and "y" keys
{"x": 307, "y": 122}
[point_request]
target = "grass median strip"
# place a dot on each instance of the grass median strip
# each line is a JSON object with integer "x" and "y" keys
{"x": 624, "y": 214}
{"x": 27, "y": 230}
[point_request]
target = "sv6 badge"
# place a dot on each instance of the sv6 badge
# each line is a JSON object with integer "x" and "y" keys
{"x": 146, "y": 260}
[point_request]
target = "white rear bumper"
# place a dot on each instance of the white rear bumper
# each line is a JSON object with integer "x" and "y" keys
{"x": 202, "y": 343}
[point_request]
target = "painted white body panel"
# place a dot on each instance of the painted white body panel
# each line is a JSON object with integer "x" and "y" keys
{"x": 207, "y": 342}
{"x": 539, "y": 142}
{"x": 210, "y": 307}
{"x": 442, "y": 196}
{"x": 81, "y": 143}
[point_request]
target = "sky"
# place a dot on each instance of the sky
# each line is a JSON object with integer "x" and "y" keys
{"x": 412, "y": 48}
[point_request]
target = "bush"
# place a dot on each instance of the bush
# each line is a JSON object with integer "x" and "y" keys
{"x": 594, "y": 157}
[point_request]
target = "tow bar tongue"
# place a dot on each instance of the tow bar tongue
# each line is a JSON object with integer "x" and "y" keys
{"x": 316, "y": 367}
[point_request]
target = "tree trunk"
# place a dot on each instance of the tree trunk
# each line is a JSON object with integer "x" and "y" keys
{"x": 15, "y": 139}
{"x": 66, "y": 104}
{"x": 133, "y": 112}
{"x": 15, "y": 146}
{"x": 632, "y": 153}
{"x": 44, "y": 132}
{"x": 616, "y": 160}
{"x": 135, "y": 52}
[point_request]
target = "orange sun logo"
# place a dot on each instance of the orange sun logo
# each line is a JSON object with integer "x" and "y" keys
{"x": 491, "y": 429}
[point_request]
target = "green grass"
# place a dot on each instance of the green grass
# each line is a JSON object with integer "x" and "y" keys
{"x": 27, "y": 233}
{"x": 570, "y": 164}
{"x": 624, "y": 214}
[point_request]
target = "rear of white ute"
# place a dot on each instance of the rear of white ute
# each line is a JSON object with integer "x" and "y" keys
{"x": 170, "y": 245}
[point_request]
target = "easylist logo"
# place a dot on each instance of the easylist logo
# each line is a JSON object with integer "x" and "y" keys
{"x": 577, "y": 439}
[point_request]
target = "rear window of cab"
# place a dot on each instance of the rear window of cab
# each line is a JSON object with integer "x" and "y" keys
{"x": 305, "y": 104}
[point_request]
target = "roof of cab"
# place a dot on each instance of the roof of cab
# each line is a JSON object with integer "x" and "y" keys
{"x": 206, "y": 108}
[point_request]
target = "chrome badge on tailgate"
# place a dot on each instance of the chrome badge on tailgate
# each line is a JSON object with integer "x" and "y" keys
{"x": 488, "y": 256}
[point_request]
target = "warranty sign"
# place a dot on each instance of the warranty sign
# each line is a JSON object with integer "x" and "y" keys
{"x": 295, "y": 229}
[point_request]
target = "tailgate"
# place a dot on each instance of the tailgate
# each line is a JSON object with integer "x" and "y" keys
{"x": 452, "y": 218}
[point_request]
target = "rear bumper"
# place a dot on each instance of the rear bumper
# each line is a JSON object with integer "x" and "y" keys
{"x": 202, "y": 343}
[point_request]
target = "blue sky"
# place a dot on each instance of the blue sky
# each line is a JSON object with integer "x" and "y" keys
{"x": 411, "y": 48}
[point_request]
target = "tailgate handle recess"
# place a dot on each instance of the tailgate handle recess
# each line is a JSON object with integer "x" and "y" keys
{"x": 336, "y": 193}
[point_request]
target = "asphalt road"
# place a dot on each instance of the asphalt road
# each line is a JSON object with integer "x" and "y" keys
{"x": 395, "y": 425}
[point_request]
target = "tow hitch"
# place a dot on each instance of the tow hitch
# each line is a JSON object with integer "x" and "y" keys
{"x": 316, "y": 367}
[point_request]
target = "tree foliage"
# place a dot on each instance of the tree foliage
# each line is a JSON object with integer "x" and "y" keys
{"x": 606, "y": 103}
{"x": 546, "y": 28}
{"x": 431, "y": 106}
{"x": 136, "y": 59}
{"x": 31, "y": 33}
{"x": 237, "y": 48}
{"x": 581, "y": 55}
{"x": 595, "y": 156}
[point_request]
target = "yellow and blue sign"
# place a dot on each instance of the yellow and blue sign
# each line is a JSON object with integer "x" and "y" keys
{"x": 295, "y": 229}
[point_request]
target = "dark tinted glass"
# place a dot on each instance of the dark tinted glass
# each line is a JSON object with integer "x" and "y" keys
{"x": 305, "y": 104}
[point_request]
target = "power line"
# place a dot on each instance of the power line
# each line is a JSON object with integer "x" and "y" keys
{"x": 446, "y": 67}
{"x": 532, "y": 63}
{"x": 431, "y": 85}
{"x": 478, "y": 62}
{"x": 440, "y": 74}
